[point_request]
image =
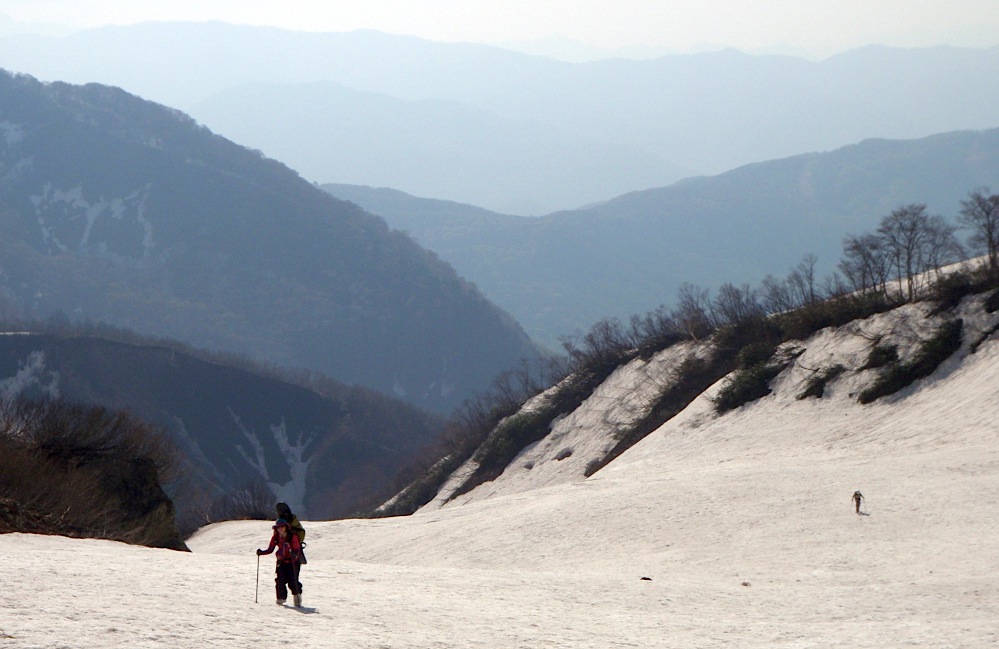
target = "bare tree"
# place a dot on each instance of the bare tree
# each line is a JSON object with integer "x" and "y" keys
{"x": 865, "y": 263}
{"x": 605, "y": 344}
{"x": 904, "y": 234}
{"x": 733, "y": 304}
{"x": 801, "y": 280}
{"x": 512, "y": 387}
{"x": 980, "y": 213}
{"x": 833, "y": 286}
{"x": 692, "y": 313}
{"x": 655, "y": 329}
{"x": 775, "y": 295}
{"x": 941, "y": 246}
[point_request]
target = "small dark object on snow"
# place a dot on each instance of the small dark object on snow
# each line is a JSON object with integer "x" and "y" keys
{"x": 746, "y": 583}
{"x": 646, "y": 578}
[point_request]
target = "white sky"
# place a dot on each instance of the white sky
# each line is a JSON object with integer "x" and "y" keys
{"x": 818, "y": 27}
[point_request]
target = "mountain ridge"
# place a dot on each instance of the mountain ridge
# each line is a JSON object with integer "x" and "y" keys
{"x": 174, "y": 231}
{"x": 671, "y": 108}
{"x": 560, "y": 273}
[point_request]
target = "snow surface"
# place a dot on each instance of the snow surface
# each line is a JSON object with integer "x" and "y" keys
{"x": 585, "y": 435}
{"x": 742, "y": 525}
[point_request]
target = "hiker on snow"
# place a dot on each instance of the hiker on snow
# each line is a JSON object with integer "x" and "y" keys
{"x": 289, "y": 550}
{"x": 284, "y": 511}
{"x": 857, "y": 497}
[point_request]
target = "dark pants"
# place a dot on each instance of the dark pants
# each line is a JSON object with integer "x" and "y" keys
{"x": 285, "y": 579}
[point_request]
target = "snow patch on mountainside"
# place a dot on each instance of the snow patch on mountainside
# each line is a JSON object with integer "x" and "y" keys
{"x": 56, "y": 207}
{"x": 293, "y": 491}
{"x": 293, "y": 452}
{"x": 31, "y": 374}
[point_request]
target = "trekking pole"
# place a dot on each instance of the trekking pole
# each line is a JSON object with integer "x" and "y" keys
{"x": 256, "y": 588}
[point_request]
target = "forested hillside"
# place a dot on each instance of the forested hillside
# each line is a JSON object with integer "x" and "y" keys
{"x": 326, "y": 448}
{"x": 118, "y": 210}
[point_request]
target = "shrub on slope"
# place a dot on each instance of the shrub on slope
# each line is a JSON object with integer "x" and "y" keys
{"x": 932, "y": 352}
{"x": 748, "y": 384}
{"x": 816, "y": 386}
{"x": 84, "y": 472}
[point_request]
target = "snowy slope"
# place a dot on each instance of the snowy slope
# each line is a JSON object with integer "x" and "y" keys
{"x": 742, "y": 524}
{"x": 584, "y": 436}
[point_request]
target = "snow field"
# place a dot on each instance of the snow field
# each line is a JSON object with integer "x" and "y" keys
{"x": 742, "y": 523}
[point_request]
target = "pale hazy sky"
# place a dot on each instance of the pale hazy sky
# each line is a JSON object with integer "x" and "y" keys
{"x": 816, "y": 27}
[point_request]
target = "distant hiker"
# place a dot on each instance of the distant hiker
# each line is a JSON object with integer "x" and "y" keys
{"x": 284, "y": 511}
{"x": 857, "y": 497}
{"x": 289, "y": 549}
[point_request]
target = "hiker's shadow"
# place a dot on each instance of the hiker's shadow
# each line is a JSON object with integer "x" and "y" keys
{"x": 305, "y": 610}
{"x": 863, "y": 513}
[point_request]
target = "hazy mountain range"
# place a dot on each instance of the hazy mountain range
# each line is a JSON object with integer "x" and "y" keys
{"x": 444, "y": 147}
{"x": 454, "y": 119}
{"x": 118, "y": 210}
{"x": 560, "y": 273}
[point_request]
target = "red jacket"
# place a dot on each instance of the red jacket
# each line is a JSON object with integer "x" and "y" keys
{"x": 289, "y": 551}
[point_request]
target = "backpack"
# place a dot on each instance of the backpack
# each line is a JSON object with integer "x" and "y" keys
{"x": 294, "y": 525}
{"x": 296, "y": 528}
{"x": 299, "y": 531}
